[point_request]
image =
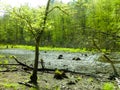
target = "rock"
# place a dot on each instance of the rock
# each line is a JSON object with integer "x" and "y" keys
{"x": 76, "y": 58}
{"x": 86, "y": 55}
{"x": 45, "y": 51}
{"x": 71, "y": 83}
{"x": 60, "y": 56}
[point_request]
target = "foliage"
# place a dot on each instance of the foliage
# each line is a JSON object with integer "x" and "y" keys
{"x": 59, "y": 74}
{"x": 108, "y": 86}
{"x": 82, "y": 21}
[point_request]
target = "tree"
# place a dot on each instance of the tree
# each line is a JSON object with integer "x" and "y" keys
{"x": 37, "y": 40}
{"x": 36, "y": 23}
{"x": 103, "y": 23}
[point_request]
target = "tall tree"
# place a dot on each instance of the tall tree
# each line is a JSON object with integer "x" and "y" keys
{"x": 37, "y": 41}
{"x": 35, "y": 23}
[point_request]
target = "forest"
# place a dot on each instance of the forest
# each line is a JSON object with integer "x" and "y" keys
{"x": 74, "y": 26}
{"x": 90, "y": 26}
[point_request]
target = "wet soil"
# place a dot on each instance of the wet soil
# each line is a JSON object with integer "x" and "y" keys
{"x": 88, "y": 63}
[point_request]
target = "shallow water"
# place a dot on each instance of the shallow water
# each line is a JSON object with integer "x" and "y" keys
{"x": 88, "y": 63}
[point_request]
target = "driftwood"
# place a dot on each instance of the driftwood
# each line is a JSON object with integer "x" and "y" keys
{"x": 20, "y": 63}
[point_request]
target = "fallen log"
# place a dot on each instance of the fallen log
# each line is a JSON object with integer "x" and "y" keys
{"x": 20, "y": 63}
{"x": 53, "y": 70}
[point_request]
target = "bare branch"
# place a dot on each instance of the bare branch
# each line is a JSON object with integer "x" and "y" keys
{"x": 59, "y": 9}
{"x": 44, "y": 19}
{"x": 107, "y": 58}
{"x": 47, "y": 11}
{"x": 22, "y": 63}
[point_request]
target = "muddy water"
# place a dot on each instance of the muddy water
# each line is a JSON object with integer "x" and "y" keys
{"x": 88, "y": 64}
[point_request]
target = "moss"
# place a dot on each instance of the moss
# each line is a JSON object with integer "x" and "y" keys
{"x": 59, "y": 74}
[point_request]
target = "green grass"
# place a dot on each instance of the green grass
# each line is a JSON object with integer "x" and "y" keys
{"x": 14, "y": 86}
{"x": 108, "y": 86}
{"x": 45, "y": 48}
{"x": 28, "y": 47}
{"x": 51, "y": 48}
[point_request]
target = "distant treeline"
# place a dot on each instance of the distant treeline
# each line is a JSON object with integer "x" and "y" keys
{"x": 76, "y": 26}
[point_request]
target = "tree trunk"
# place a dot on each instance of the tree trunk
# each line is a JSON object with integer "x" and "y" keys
{"x": 33, "y": 78}
{"x": 34, "y": 75}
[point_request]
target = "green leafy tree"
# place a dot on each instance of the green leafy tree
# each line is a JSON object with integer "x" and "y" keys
{"x": 102, "y": 20}
{"x": 35, "y": 20}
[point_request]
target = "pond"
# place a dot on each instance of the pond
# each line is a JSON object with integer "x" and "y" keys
{"x": 88, "y": 63}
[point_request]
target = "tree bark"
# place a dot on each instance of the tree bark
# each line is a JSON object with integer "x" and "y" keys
{"x": 33, "y": 78}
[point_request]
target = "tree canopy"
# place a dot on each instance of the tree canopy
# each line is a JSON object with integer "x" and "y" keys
{"x": 75, "y": 25}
